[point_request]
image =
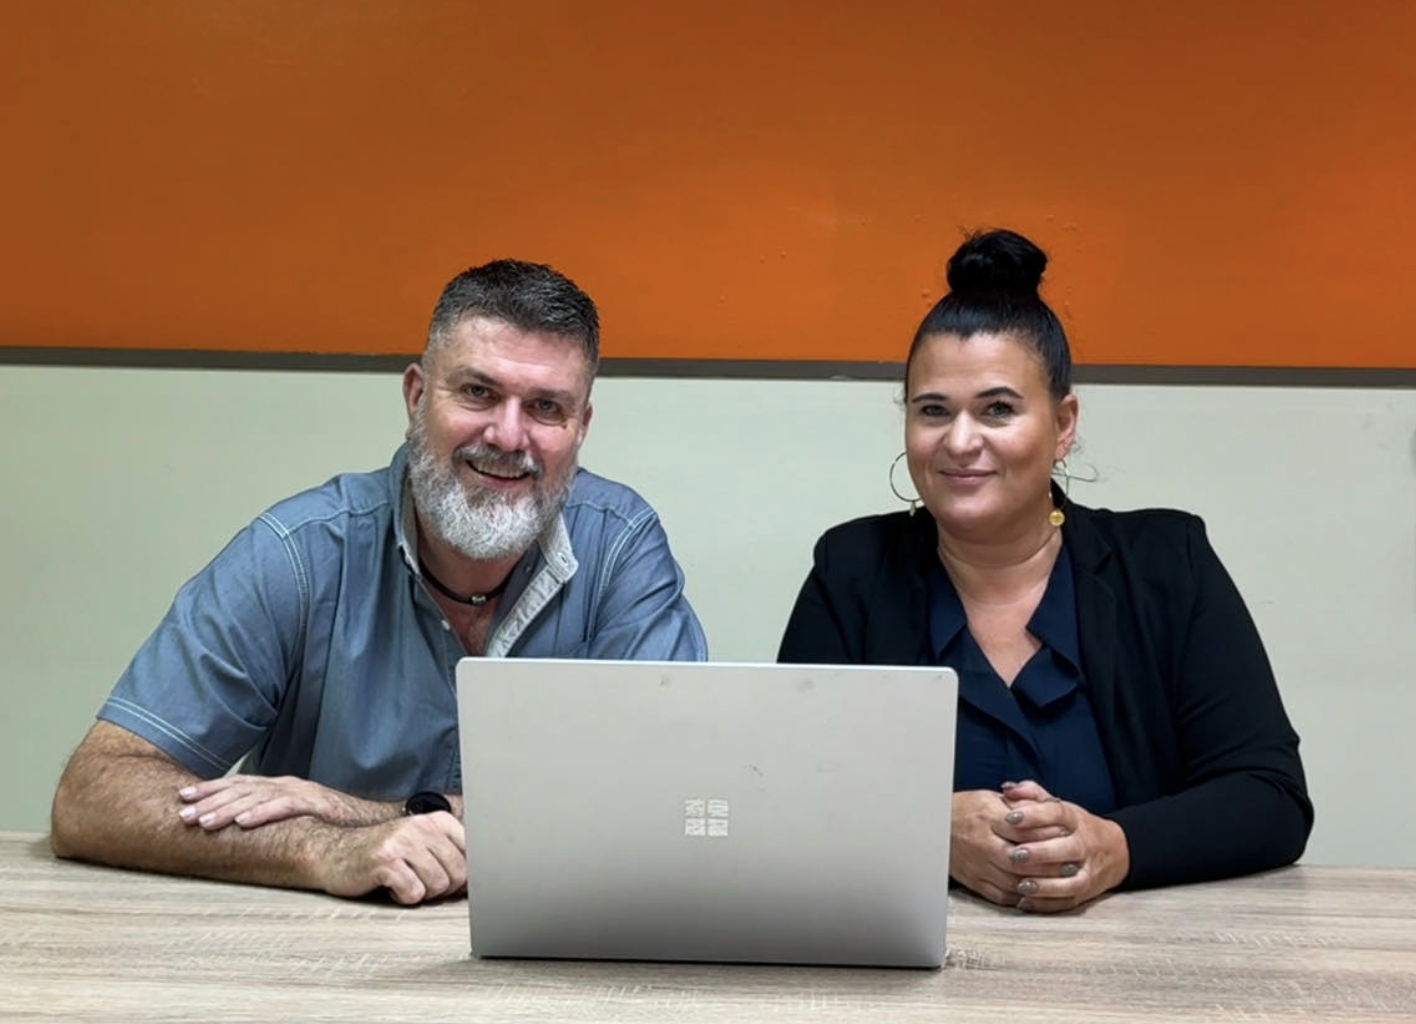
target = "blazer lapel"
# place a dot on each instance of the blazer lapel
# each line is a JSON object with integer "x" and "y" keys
{"x": 1100, "y": 636}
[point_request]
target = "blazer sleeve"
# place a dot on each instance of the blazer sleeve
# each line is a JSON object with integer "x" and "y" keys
{"x": 816, "y": 633}
{"x": 1242, "y": 804}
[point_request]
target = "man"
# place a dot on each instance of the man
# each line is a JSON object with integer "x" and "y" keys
{"x": 320, "y": 644}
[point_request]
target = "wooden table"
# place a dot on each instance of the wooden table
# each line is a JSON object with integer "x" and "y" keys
{"x": 80, "y": 943}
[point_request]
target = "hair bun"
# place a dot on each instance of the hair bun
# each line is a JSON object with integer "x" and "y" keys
{"x": 997, "y": 263}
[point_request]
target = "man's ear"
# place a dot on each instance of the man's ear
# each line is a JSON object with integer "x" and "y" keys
{"x": 415, "y": 385}
{"x": 585, "y": 424}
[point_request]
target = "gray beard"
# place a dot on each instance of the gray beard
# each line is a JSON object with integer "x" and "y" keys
{"x": 482, "y": 524}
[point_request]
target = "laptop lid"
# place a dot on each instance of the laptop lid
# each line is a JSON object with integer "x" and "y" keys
{"x": 707, "y": 811}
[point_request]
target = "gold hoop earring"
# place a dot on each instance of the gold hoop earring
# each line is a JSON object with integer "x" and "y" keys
{"x": 1057, "y": 517}
{"x": 913, "y": 503}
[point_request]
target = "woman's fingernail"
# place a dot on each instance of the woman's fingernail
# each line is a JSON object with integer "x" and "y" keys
{"x": 187, "y": 792}
{"x": 1010, "y": 785}
{"x": 1069, "y": 869}
{"x": 1025, "y": 904}
{"x": 1018, "y": 854}
{"x": 1013, "y": 817}
{"x": 187, "y": 813}
{"x": 243, "y": 817}
{"x": 1027, "y": 887}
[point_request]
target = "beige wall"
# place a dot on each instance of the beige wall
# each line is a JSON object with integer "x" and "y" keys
{"x": 118, "y": 484}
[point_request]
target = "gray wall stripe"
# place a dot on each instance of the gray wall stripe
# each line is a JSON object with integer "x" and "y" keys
{"x": 726, "y": 369}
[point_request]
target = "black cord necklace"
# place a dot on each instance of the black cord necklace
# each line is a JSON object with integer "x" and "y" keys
{"x": 475, "y": 600}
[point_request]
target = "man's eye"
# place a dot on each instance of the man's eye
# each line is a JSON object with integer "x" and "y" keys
{"x": 545, "y": 409}
{"x": 477, "y": 392}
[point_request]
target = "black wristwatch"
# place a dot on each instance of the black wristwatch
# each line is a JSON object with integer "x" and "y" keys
{"x": 426, "y": 802}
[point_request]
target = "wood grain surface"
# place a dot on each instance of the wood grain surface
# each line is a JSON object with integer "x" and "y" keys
{"x": 80, "y": 943}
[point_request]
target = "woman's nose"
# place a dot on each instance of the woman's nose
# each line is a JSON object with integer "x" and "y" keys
{"x": 962, "y": 436}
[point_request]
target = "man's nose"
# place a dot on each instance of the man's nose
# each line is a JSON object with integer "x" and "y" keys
{"x": 507, "y": 429}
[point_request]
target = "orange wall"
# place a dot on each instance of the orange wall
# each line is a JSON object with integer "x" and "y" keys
{"x": 1218, "y": 183}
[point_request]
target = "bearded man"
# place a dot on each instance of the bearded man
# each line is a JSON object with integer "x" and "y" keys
{"x": 319, "y": 646}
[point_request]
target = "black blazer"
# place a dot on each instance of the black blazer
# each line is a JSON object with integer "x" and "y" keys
{"x": 1203, "y": 758}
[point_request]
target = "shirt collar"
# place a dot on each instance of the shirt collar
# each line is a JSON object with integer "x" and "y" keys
{"x": 946, "y": 611}
{"x": 556, "y": 549}
{"x": 1054, "y": 622}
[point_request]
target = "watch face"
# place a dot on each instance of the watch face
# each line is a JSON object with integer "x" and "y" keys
{"x": 426, "y": 803}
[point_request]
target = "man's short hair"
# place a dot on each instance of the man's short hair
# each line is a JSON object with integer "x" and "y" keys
{"x": 532, "y": 297}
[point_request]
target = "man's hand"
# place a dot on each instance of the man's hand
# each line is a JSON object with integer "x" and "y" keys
{"x": 250, "y": 801}
{"x": 417, "y": 858}
{"x": 1060, "y": 854}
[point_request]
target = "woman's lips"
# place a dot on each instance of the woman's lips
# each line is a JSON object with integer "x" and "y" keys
{"x": 965, "y": 477}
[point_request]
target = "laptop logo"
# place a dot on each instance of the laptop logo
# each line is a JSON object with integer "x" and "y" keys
{"x": 705, "y": 818}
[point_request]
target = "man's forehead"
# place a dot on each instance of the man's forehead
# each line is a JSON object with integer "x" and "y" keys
{"x": 493, "y": 347}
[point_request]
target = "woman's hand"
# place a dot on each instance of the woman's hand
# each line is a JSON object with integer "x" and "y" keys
{"x": 1060, "y": 855}
{"x": 978, "y": 853}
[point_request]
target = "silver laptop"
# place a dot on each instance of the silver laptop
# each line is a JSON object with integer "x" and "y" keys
{"x": 707, "y": 811}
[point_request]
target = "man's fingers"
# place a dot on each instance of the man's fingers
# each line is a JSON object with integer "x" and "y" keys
{"x": 423, "y": 858}
{"x": 206, "y": 787}
{"x": 210, "y": 802}
{"x": 263, "y": 811}
{"x": 247, "y": 810}
{"x": 447, "y": 848}
{"x": 401, "y": 881}
{"x": 452, "y": 828}
{"x": 250, "y": 801}
{"x": 216, "y": 811}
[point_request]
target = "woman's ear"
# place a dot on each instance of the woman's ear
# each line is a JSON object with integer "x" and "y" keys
{"x": 1068, "y": 412}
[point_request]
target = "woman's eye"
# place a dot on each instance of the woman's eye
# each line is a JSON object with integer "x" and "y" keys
{"x": 1000, "y": 410}
{"x": 932, "y": 411}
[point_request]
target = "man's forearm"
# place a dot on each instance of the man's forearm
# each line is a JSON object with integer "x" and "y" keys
{"x": 122, "y": 809}
{"x": 121, "y": 800}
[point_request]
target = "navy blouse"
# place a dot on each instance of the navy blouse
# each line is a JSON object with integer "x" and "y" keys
{"x": 1042, "y": 727}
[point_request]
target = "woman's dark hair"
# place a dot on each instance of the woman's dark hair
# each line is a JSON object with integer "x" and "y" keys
{"x": 993, "y": 282}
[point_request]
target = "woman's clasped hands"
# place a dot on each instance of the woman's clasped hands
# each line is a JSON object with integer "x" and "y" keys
{"x": 1022, "y": 847}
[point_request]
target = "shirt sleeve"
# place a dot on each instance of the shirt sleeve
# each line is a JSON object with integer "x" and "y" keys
{"x": 1243, "y": 805}
{"x": 642, "y": 613}
{"x": 207, "y": 684}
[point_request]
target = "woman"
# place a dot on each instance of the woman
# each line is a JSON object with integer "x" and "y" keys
{"x": 1119, "y": 725}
